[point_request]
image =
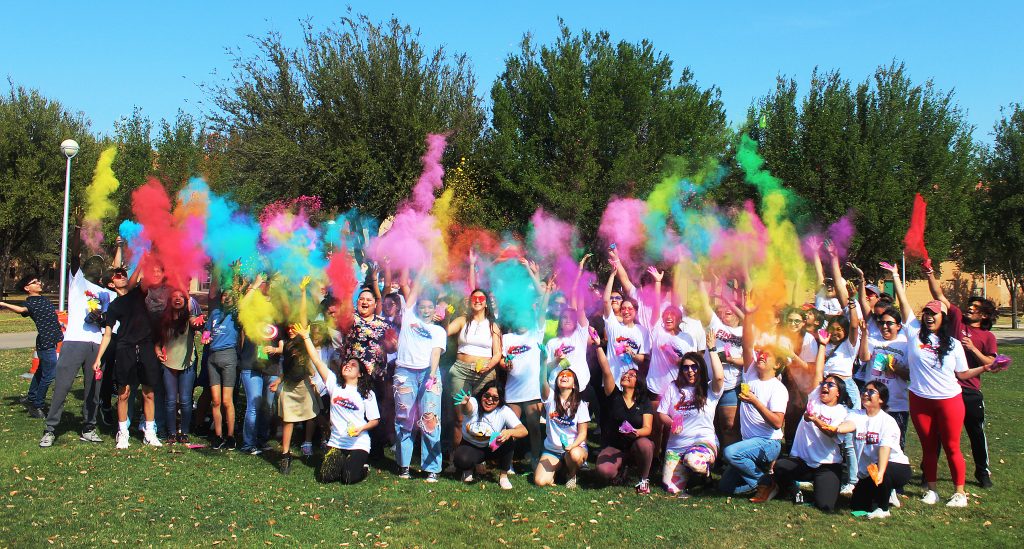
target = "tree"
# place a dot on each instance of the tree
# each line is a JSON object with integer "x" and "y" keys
{"x": 345, "y": 117}
{"x": 868, "y": 148}
{"x": 995, "y": 233}
{"x": 32, "y": 171}
{"x": 181, "y": 151}
{"x": 133, "y": 164}
{"x": 585, "y": 118}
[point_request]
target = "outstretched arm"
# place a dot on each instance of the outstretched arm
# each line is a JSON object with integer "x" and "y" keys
{"x": 934, "y": 286}
{"x": 608, "y": 295}
{"x": 314, "y": 357}
{"x": 658, "y": 276}
{"x": 837, "y": 275}
{"x": 620, "y": 270}
{"x": 901, "y": 294}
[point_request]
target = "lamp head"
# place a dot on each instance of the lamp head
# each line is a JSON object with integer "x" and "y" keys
{"x": 69, "y": 147}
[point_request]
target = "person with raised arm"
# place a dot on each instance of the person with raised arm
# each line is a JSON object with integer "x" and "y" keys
{"x": 479, "y": 340}
{"x": 417, "y": 383}
{"x": 353, "y": 410}
{"x": 973, "y": 327}
{"x": 687, "y": 409}
{"x": 725, "y": 325}
{"x": 628, "y": 341}
{"x": 937, "y": 362}
{"x": 884, "y": 468}
{"x": 827, "y": 298}
{"x": 884, "y": 359}
{"x": 488, "y": 431}
{"x": 566, "y": 441}
{"x": 763, "y": 402}
{"x": 631, "y": 418}
{"x": 297, "y": 399}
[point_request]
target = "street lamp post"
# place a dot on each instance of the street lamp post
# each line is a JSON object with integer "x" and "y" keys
{"x": 70, "y": 148}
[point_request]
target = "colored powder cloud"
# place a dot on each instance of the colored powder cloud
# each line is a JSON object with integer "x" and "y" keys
{"x": 98, "y": 205}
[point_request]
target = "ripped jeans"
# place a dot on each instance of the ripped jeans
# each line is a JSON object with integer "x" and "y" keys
{"x": 416, "y": 407}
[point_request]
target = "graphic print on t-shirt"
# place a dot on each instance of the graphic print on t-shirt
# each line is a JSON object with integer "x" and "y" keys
{"x": 420, "y": 330}
{"x": 344, "y": 403}
{"x": 562, "y": 420}
{"x": 622, "y": 342}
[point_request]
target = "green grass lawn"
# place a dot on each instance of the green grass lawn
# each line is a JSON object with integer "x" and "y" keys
{"x": 13, "y": 322}
{"x": 79, "y": 494}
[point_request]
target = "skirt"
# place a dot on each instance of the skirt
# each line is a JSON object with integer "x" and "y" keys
{"x": 297, "y": 401}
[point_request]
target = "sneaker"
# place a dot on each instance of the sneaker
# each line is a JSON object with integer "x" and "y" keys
{"x": 504, "y": 482}
{"x": 511, "y": 472}
{"x": 150, "y": 439}
{"x": 798, "y": 497}
{"x": 585, "y": 466}
{"x": 403, "y": 472}
{"x": 90, "y": 436}
{"x": 47, "y": 440}
{"x": 229, "y": 443}
{"x": 286, "y": 464}
{"x": 307, "y": 449}
{"x": 168, "y": 439}
{"x": 930, "y": 498}
{"x": 643, "y": 487}
{"x": 255, "y": 451}
{"x": 985, "y": 481}
{"x": 571, "y": 483}
{"x": 894, "y": 500}
{"x": 432, "y": 477}
{"x": 467, "y": 476}
{"x": 183, "y": 439}
{"x": 879, "y": 514}
{"x": 36, "y": 413}
{"x": 959, "y": 499}
{"x": 122, "y": 439}
{"x": 217, "y": 443}
{"x": 846, "y": 490}
{"x": 765, "y": 493}
{"x": 683, "y": 494}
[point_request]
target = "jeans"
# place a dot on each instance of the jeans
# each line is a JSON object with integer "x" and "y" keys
{"x": 417, "y": 407}
{"x": 160, "y": 405}
{"x": 178, "y": 388}
{"x": 43, "y": 377}
{"x": 257, "y": 399}
{"x": 749, "y": 461}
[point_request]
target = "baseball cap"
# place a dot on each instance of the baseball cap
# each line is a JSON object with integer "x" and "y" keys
{"x": 873, "y": 289}
{"x": 936, "y": 306}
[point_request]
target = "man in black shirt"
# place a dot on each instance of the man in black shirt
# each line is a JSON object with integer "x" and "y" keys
{"x": 44, "y": 314}
{"x": 135, "y": 356}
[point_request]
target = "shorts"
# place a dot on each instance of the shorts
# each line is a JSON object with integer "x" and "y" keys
{"x": 559, "y": 454}
{"x": 730, "y": 397}
{"x": 223, "y": 368}
{"x": 464, "y": 377}
{"x": 135, "y": 364}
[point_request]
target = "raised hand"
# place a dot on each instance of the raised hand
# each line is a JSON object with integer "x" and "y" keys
{"x": 461, "y": 397}
{"x": 889, "y": 267}
{"x": 301, "y": 330}
{"x": 658, "y": 275}
{"x": 855, "y": 269}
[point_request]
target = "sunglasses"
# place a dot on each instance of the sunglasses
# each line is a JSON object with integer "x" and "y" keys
{"x": 491, "y": 398}
{"x": 830, "y": 385}
{"x": 795, "y": 321}
{"x": 887, "y": 323}
{"x": 478, "y": 299}
{"x": 615, "y": 298}
{"x": 869, "y": 392}
{"x": 627, "y": 308}
{"x": 691, "y": 367}
{"x": 118, "y": 275}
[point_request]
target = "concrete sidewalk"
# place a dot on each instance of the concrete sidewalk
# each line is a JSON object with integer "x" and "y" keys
{"x": 18, "y": 340}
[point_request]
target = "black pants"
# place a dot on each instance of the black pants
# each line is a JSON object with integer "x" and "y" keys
{"x": 467, "y": 456}
{"x": 868, "y": 497}
{"x": 347, "y": 466}
{"x": 974, "y": 424}
{"x": 383, "y": 435}
{"x": 790, "y": 470}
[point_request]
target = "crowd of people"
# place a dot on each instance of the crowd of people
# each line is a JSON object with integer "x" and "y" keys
{"x": 684, "y": 398}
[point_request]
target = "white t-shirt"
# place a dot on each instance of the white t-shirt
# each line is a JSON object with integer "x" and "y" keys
{"x": 773, "y": 394}
{"x": 644, "y": 312}
{"x": 477, "y": 429}
{"x": 839, "y": 359}
{"x": 417, "y": 340}
{"x": 828, "y": 305}
{"x": 80, "y": 292}
{"x": 810, "y": 443}
{"x": 872, "y": 433}
{"x": 620, "y": 338}
{"x": 560, "y": 428}
{"x": 666, "y": 350}
{"x": 928, "y": 377}
{"x": 574, "y": 347}
{"x": 729, "y": 340}
{"x": 876, "y": 369}
{"x": 693, "y": 328}
{"x": 698, "y": 425}
{"x": 349, "y": 408}
{"x": 809, "y": 348}
{"x": 524, "y": 377}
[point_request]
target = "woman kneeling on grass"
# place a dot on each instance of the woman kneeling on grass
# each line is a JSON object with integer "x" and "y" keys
{"x": 631, "y": 416}
{"x": 567, "y": 417}
{"x": 488, "y": 425}
{"x": 884, "y": 468}
{"x": 353, "y": 414}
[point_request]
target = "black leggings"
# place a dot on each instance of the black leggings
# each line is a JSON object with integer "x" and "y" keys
{"x": 826, "y": 476}
{"x": 467, "y": 456}
{"x": 348, "y": 466}
{"x": 867, "y": 496}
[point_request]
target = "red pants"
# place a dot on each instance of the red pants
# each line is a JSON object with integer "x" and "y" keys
{"x": 939, "y": 421}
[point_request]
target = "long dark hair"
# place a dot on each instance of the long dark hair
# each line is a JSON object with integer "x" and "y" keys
{"x": 844, "y": 397}
{"x": 945, "y": 340}
{"x": 174, "y": 322}
{"x": 488, "y": 310}
{"x": 487, "y": 387}
{"x": 883, "y": 392}
{"x": 364, "y": 384}
{"x": 700, "y": 389}
{"x": 574, "y": 396}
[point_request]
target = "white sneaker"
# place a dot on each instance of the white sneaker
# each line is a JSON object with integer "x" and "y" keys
{"x": 505, "y": 483}
{"x": 930, "y": 498}
{"x": 959, "y": 499}
{"x": 846, "y": 490}
{"x": 879, "y": 514}
{"x": 151, "y": 439}
{"x": 894, "y": 499}
{"x": 122, "y": 440}
{"x": 467, "y": 476}
{"x": 570, "y": 484}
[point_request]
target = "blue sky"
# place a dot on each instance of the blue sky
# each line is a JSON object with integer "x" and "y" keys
{"x": 104, "y": 58}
